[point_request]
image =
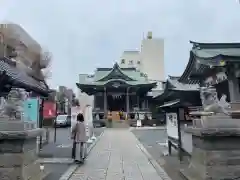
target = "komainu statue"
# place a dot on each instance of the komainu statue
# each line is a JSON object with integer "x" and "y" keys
{"x": 212, "y": 104}
{"x": 12, "y": 105}
{"x": 221, "y": 106}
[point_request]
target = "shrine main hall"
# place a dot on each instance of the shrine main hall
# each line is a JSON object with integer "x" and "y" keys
{"x": 117, "y": 89}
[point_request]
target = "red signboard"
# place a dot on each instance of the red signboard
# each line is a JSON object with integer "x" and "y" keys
{"x": 49, "y": 109}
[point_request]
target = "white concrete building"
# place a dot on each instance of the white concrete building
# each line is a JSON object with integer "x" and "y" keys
{"x": 14, "y": 36}
{"x": 130, "y": 59}
{"x": 152, "y": 57}
{"x": 149, "y": 60}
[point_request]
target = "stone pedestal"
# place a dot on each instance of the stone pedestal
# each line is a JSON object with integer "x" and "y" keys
{"x": 18, "y": 155}
{"x": 215, "y": 154}
{"x": 216, "y": 121}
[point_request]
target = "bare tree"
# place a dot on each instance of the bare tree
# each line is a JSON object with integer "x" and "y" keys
{"x": 42, "y": 66}
{"x": 45, "y": 64}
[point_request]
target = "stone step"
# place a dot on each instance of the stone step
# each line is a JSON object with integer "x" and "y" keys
{"x": 120, "y": 124}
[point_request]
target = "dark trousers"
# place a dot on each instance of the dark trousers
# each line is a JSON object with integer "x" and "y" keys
{"x": 73, "y": 149}
{"x": 83, "y": 151}
{"x": 80, "y": 151}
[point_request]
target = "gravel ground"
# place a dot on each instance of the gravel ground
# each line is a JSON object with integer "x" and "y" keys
{"x": 155, "y": 143}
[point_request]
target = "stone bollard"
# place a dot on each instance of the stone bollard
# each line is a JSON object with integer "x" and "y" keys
{"x": 215, "y": 154}
{"x": 18, "y": 152}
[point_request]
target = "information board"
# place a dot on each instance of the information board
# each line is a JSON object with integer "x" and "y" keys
{"x": 31, "y": 110}
{"x": 88, "y": 117}
{"x": 172, "y": 125}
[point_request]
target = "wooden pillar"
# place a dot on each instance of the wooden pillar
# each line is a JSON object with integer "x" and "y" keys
{"x": 105, "y": 102}
{"x": 233, "y": 85}
{"x": 127, "y": 101}
{"x": 138, "y": 101}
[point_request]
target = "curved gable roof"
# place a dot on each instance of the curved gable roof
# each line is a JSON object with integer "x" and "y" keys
{"x": 210, "y": 51}
{"x": 190, "y": 65}
{"x": 116, "y": 72}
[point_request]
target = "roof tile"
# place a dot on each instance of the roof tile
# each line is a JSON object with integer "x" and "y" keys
{"x": 20, "y": 78}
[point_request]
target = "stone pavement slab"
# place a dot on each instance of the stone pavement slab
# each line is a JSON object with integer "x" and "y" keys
{"x": 116, "y": 156}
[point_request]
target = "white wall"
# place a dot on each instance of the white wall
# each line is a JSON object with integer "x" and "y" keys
{"x": 19, "y": 33}
{"x": 85, "y": 99}
{"x": 26, "y": 47}
{"x": 130, "y": 59}
{"x": 149, "y": 60}
{"x": 152, "y": 58}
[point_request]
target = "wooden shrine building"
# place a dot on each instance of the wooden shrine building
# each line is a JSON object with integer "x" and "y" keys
{"x": 117, "y": 89}
{"x": 179, "y": 97}
{"x": 215, "y": 64}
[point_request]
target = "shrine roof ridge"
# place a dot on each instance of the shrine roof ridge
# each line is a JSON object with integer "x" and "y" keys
{"x": 129, "y": 74}
{"x": 173, "y": 85}
{"x": 179, "y": 86}
{"x": 214, "y": 45}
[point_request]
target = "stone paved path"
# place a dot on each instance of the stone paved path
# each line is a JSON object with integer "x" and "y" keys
{"x": 116, "y": 157}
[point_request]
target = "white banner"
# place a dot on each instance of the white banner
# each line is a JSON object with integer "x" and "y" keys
{"x": 87, "y": 130}
{"x": 139, "y": 123}
{"x": 74, "y": 112}
{"x": 172, "y": 125}
{"x": 88, "y": 117}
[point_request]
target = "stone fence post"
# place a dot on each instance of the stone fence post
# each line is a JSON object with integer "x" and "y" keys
{"x": 18, "y": 154}
{"x": 215, "y": 155}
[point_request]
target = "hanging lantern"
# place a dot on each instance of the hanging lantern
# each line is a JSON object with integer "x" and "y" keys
{"x": 222, "y": 63}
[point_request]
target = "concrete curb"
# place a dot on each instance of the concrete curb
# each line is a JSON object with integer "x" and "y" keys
{"x": 74, "y": 167}
{"x": 55, "y": 161}
{"x": 154, "y": 163}
{"x": 147, "y": 128}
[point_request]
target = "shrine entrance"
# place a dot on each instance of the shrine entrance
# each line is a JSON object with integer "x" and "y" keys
{"x": 116, "y": 102}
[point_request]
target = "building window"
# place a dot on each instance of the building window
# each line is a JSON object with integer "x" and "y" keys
{"x": 10, "y": 52}
{"x": 123, "y": 61}
{"x": 130, "y": 62}
{"x": 138, "y": 62}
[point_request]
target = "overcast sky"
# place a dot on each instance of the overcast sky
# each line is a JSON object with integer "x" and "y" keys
{"x": 85, "y": 34}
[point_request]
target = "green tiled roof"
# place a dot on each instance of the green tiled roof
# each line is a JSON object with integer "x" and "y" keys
{"x": 100, "y": 74}
{"x": 137, "y": 75}
{"x": 101, "y": 83}
{"x": 209, "y": 53}
{"x": 133, "y": 74}
{"x": 211, "y": 50}
{"x": 205, "y": 56}
{"x": 96, "y": 79}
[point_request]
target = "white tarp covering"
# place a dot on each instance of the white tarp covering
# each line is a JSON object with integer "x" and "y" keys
{"x": 74, "y": 112}
{"x": 172, "y": 125}
{"x": 88, "y": 117}
{"x": 139, "y": 123}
